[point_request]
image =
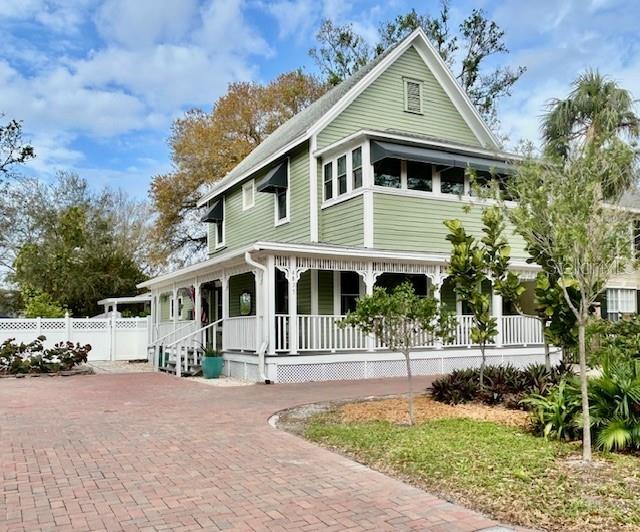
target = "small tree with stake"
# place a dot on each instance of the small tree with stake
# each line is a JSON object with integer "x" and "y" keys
{"x": 473, "y": 264}
{"x": 401, "y": 320}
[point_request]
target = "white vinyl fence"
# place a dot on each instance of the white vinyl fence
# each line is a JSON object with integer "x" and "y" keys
{"x": 110, "y": 338}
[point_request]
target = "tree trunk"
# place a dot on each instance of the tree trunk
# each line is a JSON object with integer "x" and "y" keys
{"x": 547, "y": 356}
{"x": 483, "y": 364}
{"x": 412, "y": 419}
{"x": 584, "y": 391}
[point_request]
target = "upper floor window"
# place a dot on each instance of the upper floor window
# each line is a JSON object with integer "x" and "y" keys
{"x": 413, "y": 96}
{"x": 342, "y": 174}
{"x": 419, "y": 176}
{"x": 282, "y": 206}
{"x": 276, "y": 182}
{"x": 387, "y": 173}
{"x": 356, "y": 167}
{"x": 452, "y": 181}
{"x": 248, "y": 195}
{"x": 328, "y": 181}
{"x": 215, "y": 215}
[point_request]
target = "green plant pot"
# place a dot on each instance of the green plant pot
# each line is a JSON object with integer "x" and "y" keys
{"x": 212, "y": 367}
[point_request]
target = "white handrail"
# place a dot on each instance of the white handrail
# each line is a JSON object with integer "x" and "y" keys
{"x": 202, "y": 329}
{"x": 160, "y": 340}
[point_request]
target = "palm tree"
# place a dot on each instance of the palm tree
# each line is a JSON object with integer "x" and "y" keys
{"x": 596, "y": 111}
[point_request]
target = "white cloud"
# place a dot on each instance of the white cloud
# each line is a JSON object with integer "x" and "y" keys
{"x": 152, "y": 63}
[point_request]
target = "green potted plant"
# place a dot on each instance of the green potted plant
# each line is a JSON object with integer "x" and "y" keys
{"x": 212, "y": 362}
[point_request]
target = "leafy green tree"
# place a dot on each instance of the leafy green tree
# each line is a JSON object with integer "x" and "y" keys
{"x": 473, "y": 264}
{"x": 401, "y": 320}
{"x": 41, "y": 305}
{"x": 585, "y": 241}
{"x": 341, "y": 52}
{"x": 76, "y": 246}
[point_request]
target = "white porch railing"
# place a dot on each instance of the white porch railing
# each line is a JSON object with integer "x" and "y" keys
{"x": 521, "y": 330}
{"x": 322, "y": 333}
{"x": 240, "y": 333}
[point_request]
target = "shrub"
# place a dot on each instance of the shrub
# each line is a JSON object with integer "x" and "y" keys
{"x": 503, "y": 384}
{"x": 34, "y": 358}
{"x": 556, "y": 414}
{"x": 620, "y": 339}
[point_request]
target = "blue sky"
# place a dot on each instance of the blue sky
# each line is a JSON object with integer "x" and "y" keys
{"x": 98, "y": 82}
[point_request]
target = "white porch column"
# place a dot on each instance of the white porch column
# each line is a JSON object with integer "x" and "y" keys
{"x": 174, "y": 307}
{"x": 437, "y": 279}
{"x": 259, "y": 306}
{"x": 293, "y": 273}
{"x": 270, "y": 309}
{"x": 496, "y": 310}
{"x": 224, "y": 281}
{"x": 369, "y": 277}
{"x": 315, "y": 305}
{"x": 197, "y": 307}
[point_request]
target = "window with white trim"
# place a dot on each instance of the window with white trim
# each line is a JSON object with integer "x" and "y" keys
{"x": 388, "y": 173}
{"x": 282, "y": 205}
{"x": 248, "y": 195}
{"x": 220, "y": 229}
{"x": 356, "y": 168}
{"x": 342, "y": 174}
{"x": 621, "y": 301}
{"x": 413, "y": 96}
{"x": 328, "y": 181}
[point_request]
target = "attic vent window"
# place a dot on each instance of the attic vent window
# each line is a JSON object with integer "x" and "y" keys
{"x": 413, "y": 96}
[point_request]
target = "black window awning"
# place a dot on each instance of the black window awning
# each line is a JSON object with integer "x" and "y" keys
{"x": 276, "y": 179}
{"x": 215, "y": 213}
{"x": 382, "y": 150}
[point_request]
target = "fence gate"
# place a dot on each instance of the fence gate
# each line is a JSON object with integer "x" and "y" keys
{"x": 110, "y": 338}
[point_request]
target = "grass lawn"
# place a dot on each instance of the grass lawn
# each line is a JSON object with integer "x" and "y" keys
{"x": 499, "y": 470}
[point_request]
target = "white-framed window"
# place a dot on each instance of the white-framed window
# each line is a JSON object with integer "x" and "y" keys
{"x": 220, "y": 228}
{"x": 281, "y": 201}
{"x": 343, "y": 173}
{"x": 327, "y": 173}
{"x": 356, "y": 168}
{"x": 413, "y": 96}
{"x": 248, "y": 195}
{"x": 621, "y": 301}
{"x": 171, "y": 307}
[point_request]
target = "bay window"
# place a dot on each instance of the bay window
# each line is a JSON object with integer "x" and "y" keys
{"x": 419, "y": 176}
{"x": 452, "y": 181}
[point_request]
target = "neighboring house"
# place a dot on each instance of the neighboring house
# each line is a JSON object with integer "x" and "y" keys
{"x": 349, "y": 194}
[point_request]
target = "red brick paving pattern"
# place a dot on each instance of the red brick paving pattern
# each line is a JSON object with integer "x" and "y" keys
{"x": 152, "y": 452}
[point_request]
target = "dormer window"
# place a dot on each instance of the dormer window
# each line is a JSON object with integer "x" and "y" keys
{"x": 413, "y": 96}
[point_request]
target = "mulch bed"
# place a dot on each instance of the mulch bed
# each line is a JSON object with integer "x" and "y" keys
{"x": 70, "y": 373}
{"x": 394, "y": 410}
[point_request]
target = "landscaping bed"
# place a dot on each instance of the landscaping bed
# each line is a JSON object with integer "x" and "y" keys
{"x": 483, "y": 457}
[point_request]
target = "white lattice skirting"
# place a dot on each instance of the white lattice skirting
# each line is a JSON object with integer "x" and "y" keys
{"x": 310, "y": 368}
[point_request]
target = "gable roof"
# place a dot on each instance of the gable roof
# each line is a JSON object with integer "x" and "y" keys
{"x": 316, "y": 116}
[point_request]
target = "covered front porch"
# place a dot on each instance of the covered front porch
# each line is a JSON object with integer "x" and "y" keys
{"x": 274, "y": 312}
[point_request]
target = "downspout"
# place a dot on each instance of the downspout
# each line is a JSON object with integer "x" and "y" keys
{"x": 265, "y": 324}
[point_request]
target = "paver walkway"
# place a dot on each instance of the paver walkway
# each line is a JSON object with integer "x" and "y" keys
{"x": 152, "y": 452}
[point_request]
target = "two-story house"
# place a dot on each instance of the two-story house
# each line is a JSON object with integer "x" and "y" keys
{"x": 349, "y": 194}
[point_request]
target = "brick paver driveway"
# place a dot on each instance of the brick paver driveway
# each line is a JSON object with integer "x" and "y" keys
{"x": 152, "y": 452}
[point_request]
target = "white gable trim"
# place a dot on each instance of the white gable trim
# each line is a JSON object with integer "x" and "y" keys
{"x": 441, "y": 72}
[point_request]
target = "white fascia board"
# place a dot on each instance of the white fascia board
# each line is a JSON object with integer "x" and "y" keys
{"x": 412, "y": 140}
{"x": 458, "y": 96}
{"x": 194, "y": 269}
{"x": 225, "y": 183}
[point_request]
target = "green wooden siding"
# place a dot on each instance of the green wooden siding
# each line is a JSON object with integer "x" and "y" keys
{"x": 342, "y": 224}
{"x": 239, "y": 284}
{"x": 381, "y": 106}
{"x": 325, "y": 292}
{"x": 304, "y": 293}
{"x": 165, "y": 302}
{"x": 243, "y": 228}
{"x": 416, "y": 224}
